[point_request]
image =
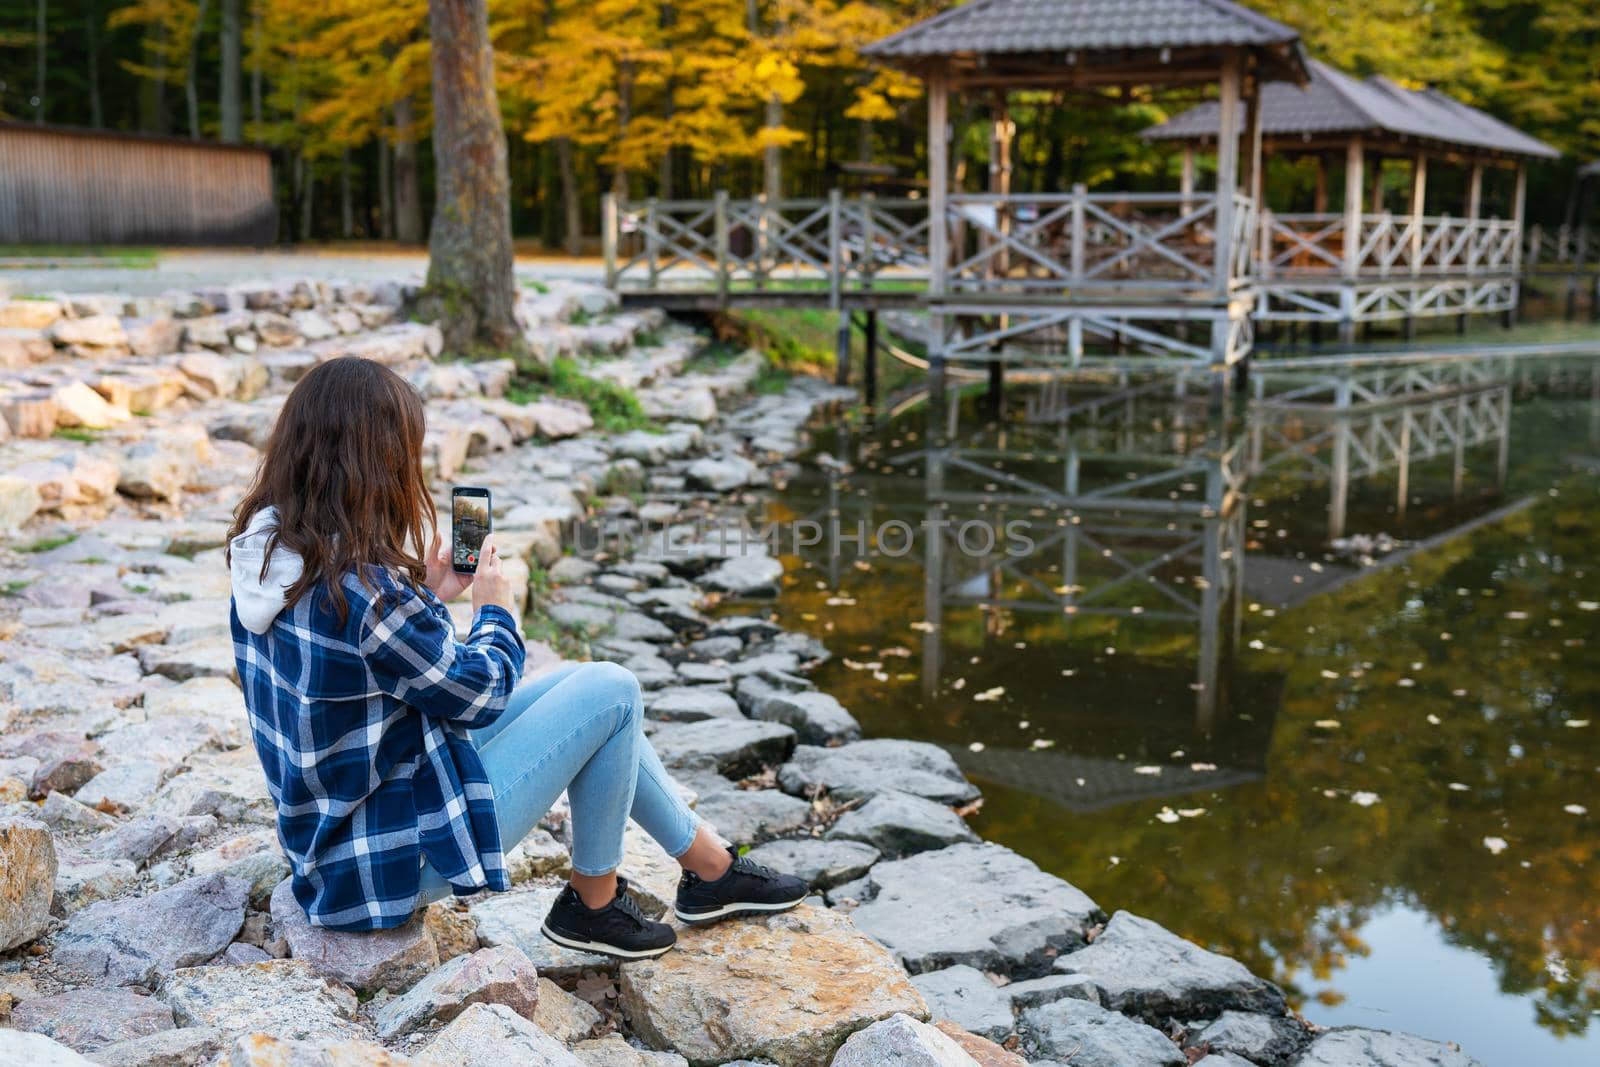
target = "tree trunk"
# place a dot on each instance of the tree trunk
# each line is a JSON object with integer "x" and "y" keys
{"x": 153, "y": 91}
{"x": 472, "y": 289}
{"x": 190, "y": 93}
{"x": 228, "y": 99}
{"x": 256, "y": 58}
{"x": 39, "y": 46}
{"x": 572, "y": 212}
{"x": 97, "y": 115}
{"x": 347, "y": 207}
{"x": 619, "y": 177}
{"x": 308, "y": 197}
{"x": 407, "y": 197}
{"x": 385, "y": 191}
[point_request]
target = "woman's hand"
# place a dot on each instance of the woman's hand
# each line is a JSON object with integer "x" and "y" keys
{"x": 443, "y": 579}
{"x": 491, "y": 586}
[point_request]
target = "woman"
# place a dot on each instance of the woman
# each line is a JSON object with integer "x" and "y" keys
{"x": 402, "y": 761}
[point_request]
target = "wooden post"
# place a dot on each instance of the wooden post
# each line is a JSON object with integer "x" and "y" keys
{"x": 1000, "y": 179}
{"x": 1519, "y": 200}
{"x": 719, "y": 211}
{"x": 841, "y": 356}
{"x": 835, "y": 250}
{"x": 608, "y": 237}
{"x": 938, "y": 191}
{"x": 1353, "y": 159}
{"x": 1419, "y": 203}
{"x": 1080, "y": 194}
{"x": 652, "y": 242}
{"x": 1227, "y": 172}
{"x": 869, "y": 365}
{"x": 1252, "y": 164}
{"x": 1186, "y": 179}
{"x": 1475, "y": 191}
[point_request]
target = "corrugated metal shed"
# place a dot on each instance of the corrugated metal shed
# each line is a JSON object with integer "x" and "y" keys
{"x": 62, "y": 185}
{"x": 1336, "y": 103}
{"x": 1019, "y": 26}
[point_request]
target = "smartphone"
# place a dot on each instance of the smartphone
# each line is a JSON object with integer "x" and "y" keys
{"x": 470, "y": 520}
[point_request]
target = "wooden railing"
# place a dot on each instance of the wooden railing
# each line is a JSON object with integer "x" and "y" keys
{"x": 1313, "y": 245}
{"x": 1077, "y": 241}
{"x": 1554, "y": 247}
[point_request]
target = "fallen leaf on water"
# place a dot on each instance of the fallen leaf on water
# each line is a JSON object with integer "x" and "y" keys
{"x": 1167, "y": 815}
{"x": 1577, "y": 724}
{"x": 1147, "y": 770}
{"x": 1516, "y": 615}
{"x": 1575, "y": 809}
{"x": 1434, "y": 720}
{"x": 1364, "y": 798}
{"x": 1330, "y": 674}
{"x": 1495, "y": 845}
{"x": 1405, "y": 683}
{"x": 990, "y": 694}
{"x": 925, "y": 627}
{"x": 1191, "y": 813}
{"x": 976, "y": 746}
{"x": 1589, "y": 605}
{"x": 1042, "y": 742}
{"x": 1199, "y": 767}
{"x": 1326, "y": 724}
{"x": 1460, "y": 787}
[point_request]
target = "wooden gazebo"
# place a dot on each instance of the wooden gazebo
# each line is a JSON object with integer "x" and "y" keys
{"x": 1367, "y": 263}
{"x": 1015, "y": 272}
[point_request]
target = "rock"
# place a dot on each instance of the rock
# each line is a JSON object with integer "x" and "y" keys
{"x": 62, "y": 812}
{"x": 1260, "y": 1038}
{"x": 1031, "y": 992}
{"x": 132, "y": 942}
{"x": 817, "y": 718}
{"x": 92, "y": 331}
{"x": 966, "y": 997}
{"x": 903, "y": 1041}
{"x": 788, "y": 988}
{"x": 986, "y": 1052}
{"x": 750, "y": 816}
{"x": 562, "y": 1015}
{"x": 124, "y": 786}
{"x": 723, "y": 475}
{"x": 1086, "y": 1035}
{"x": 264, "y": 1050}
{"x": 86, "y": 1019}
{"x": 613, "y": 1051}
{"x": 284, "y": 998}
{"x": 492, "y": 1035}
{"x": 898, "y": 824}
{"x": 514, "y": 919}
{"x": 27, "y": 878}
{"x": 499, "y": 975}
{"x": 1142, "y": 968}
{"x": 153, "y": 470}
{"x": 863, "y": 768}
{"x": 735, "y": 748}
{"x": 81, "y": 881}
{"x": 652, "y": 874}
{"x": 538, "y": 856}
{"x": 79, "y": 405}
{"x": 19, "y": 502}
{"x": 36, "y": 1050}
{"x": 240, "y": 954}
{"x": 185, "y": 1046}
{"x": 745, "y": 576}
{"x": 977, "y": 904}
{"x": 690, "y": 703}
{"x": 1358, "y": 1047}
{"x": 152, "y": 336}
{"x": 823, "y": 864}
{"x": 453, "y": 930}
{"x": 29, "y": 313}
{"x": 206, "y": 657}
{"x": 366, "y": 961}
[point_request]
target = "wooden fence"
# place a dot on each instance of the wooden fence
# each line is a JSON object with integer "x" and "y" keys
{"x": 70, "y": 186}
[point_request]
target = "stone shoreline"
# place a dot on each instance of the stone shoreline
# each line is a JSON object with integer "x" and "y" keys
{"x": 143, "y": 915}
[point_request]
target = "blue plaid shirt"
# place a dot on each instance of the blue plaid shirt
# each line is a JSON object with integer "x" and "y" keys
{"x": 362, "y": 729}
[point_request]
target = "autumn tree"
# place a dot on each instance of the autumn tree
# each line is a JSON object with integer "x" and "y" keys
{"x": 472, "y": 289}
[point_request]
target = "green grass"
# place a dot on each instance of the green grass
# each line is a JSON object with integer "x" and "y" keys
{"x": 45, "y": 544}
{"x": 796, "y": 339}
{"x": 128, "y": 256}
{"x": 82, "y": 434}
{"x": 14, "y": 586}
{"x": 580, "y": 317}
{"x": 615, "y": 409}
{"x": 536, "y": 285}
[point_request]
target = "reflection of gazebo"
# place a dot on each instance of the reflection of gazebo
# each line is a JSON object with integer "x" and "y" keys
{"x": 1366, "y": 263}
{"x": 1066, "y": 263}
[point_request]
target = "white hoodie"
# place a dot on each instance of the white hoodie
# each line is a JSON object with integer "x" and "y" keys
{"x": 258, "y": 601}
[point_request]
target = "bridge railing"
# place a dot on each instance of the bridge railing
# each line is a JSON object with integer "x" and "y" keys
{"x": 1555, "y": 247}
{"x": 1019, "y": 243}
{"x": 1310, "y": 245}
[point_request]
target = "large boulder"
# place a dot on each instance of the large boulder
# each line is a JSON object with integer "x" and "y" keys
{"x": 36, "y": 1050}
{"x": 86, "y": 1019}
{"x": 179, "y": 1047}
{"x": 788, "y": 988}
{"x": 734, "y": 747}
{"x": 1358, "y": 1047}
{"x": 368, "y": 961}
{"x": 904, "y": 1042}
{"x": 133, "y": 942}
{"x": 899, "y": 824}
{"x": 1258, "y": 1038}
{"x": 823, "y": 864}
{"x": 865, "y": 768}
{"x": 1144, "y": 969}
{"x": 977, "y": 904}
{"x": 515, "y": 919}
{"x": 264, "y": 1050}
{"x": 966, "y": 997}
{"x": 750, "y": 816}
{"x": 817, "y": 718}
{"x": 501, "y": 975}
{"x": 27, "y": 878}
{"x": 1087, "y": 1035}
{"x": 492, "y": 1035}
{"x": 284, "y": 998}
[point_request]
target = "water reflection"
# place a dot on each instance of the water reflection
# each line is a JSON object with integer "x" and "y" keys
{"x": 1264, "y": 673}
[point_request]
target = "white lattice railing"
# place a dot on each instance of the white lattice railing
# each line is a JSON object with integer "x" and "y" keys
{"x": 1305, "y": 245}
{"x": 1561, "y": 246}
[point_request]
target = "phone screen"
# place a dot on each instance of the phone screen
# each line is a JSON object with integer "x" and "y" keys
{"x": 469, "y": 525}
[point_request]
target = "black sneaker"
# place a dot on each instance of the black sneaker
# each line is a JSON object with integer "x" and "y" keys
{"x": 619, "y": 929}
{"x": 747, "y": 889}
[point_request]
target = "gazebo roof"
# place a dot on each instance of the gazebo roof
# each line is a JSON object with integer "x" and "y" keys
{"x": 994, "y": 39}
{"x": 1590, "y": 170}
{"x": 1335, "y": 103}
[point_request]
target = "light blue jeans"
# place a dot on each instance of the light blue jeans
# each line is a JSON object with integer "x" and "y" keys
{"x": 578, "y": 728}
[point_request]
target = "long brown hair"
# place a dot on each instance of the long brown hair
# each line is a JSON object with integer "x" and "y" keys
{"x": 344, "y": 469}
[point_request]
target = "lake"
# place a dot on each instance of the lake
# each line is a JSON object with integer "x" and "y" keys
{"x": 1313, "y": 686}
